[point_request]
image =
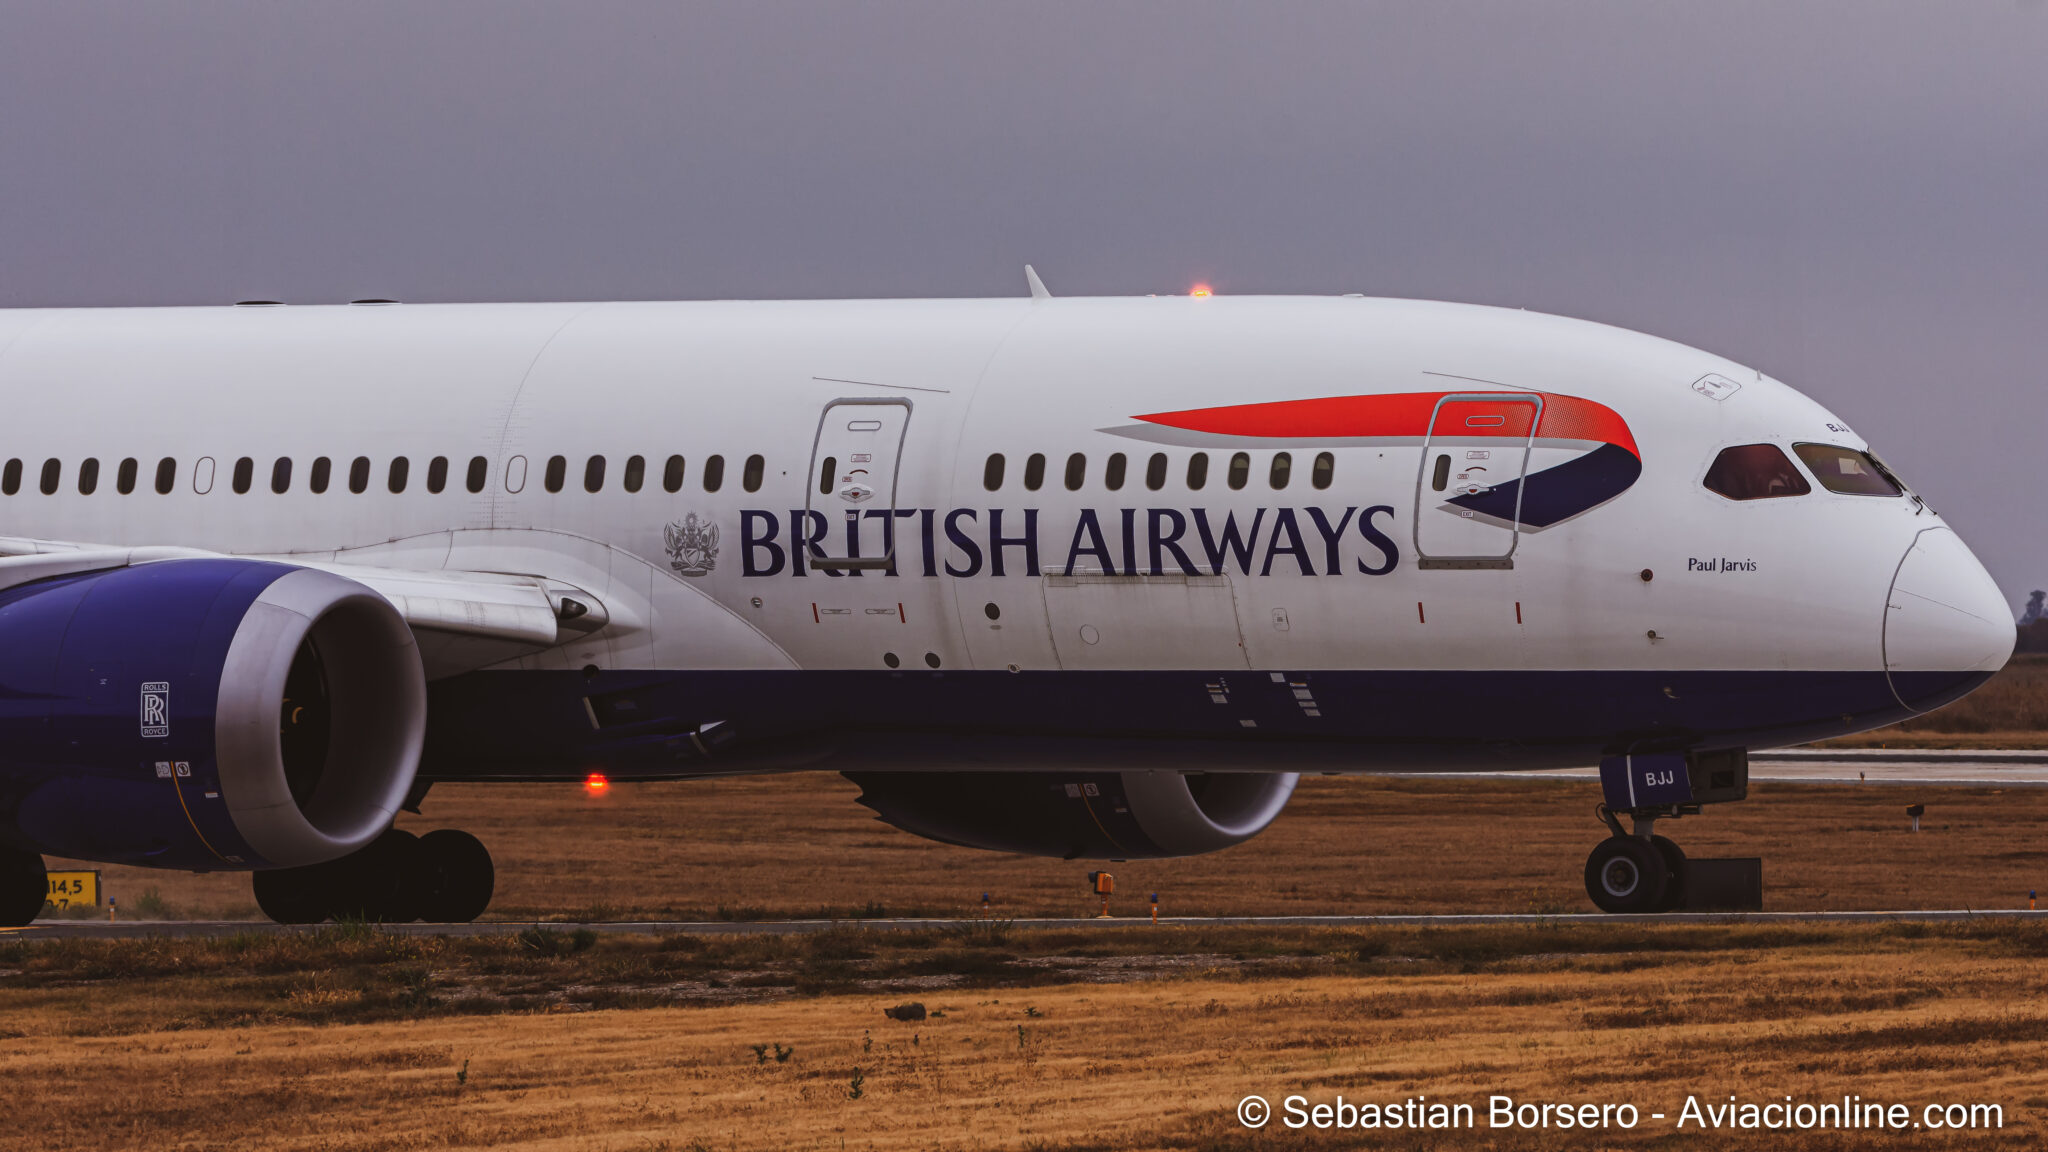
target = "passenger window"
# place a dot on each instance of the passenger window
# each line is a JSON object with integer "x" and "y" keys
{"x": 1034, "y": 472}
{"x": 1240, "y": 470}
{"x": 124, "y": 477}
{"x": 1325, "y": 470}
{"x": 1440, "y": 476}
{"x": 281, "y": 475}
{"x": 88, "y": 475}
{"x": 1077, "y": 472}
{"x": 316, "y": 480}
{"x": 750, "y": 476}
{"x": 437, "y": 474}
{"x": 396, "y": 480}
{"x": 245, "y": 475}
{"x": 1198, "y": 471}
{"x": 1755, "y": 472}
{"x": 10, "y": 478}
{"x": 714, "y": 473}
{"x": 1155, "y": 471}
{"x": 359, "y": 475}
{"x": 1847, "y": 471}
{"x": 557, "y": 472}
{"x": 1113, "y": 472}
{"x": 636, "y": 473}
{"x": 593, "y": 474}
{"x": 1283, "y": 468}
{"x": 166, "y": 475}
{"x": 992, "y": 472}
{"x": 52, "y": 473}
{"x": 826, "y": 472}
{"x": 479, "y": 472}
{"x": 672, "y": 475}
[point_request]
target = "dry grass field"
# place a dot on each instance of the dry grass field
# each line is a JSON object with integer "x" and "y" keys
{"x": 2011, "y": 711}
{"x": 799, "y": 846}
{"x": 1063, "y": 1041}
{"x": 1058, "y": 1041}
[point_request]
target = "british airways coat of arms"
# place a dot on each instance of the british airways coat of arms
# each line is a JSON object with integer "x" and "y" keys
{"x": 692, "y": 545}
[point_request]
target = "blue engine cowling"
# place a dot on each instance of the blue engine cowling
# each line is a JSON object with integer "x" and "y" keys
{"x": 205, "y": 714}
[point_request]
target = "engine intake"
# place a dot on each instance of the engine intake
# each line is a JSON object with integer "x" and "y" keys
{"x": 1095, "y": 815}
{"x": 206, "y": 714}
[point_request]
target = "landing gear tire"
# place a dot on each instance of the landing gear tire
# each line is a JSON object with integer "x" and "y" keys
{"x": 24, "y": 886}
{"x": 373, "y": 885}
{"x": 444, "y": 877}
{"x": 294, "y": 895}
{"x": 1627, "y": 874}
{"x": 1674, "y": 874}
{"x": 457, "y": 877}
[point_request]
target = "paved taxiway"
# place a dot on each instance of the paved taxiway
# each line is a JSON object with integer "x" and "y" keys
{"x": 1932, "y": 766}
{"x": 138, "y": 929}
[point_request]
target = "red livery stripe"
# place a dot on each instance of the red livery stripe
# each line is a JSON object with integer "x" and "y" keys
{"x": 1402, "y": 414}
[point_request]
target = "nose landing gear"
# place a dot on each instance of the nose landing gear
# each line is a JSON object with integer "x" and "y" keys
{"x": 1636, "y": 870}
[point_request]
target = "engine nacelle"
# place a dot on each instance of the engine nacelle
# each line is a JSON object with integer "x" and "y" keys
{"x": 205, "y": 714}
{"x": 1095, "y": 815}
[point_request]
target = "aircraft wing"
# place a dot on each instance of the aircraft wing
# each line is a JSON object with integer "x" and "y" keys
{"x": 524, "y": 611}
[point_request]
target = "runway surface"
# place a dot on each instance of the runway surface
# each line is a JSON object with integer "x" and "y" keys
{"x": 1994, "y": 768}
{"x": 142, "y": 929}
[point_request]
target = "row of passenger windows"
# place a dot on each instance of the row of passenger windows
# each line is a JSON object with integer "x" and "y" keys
{"x": 1238, "y": 473}
{"x": 397, "y": 474}
{"x": 633, "y": 476}
{"x": 1762, "y": 471}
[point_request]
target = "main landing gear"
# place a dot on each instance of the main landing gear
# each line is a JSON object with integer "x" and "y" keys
{"x": 23, "y": 887}
{"x": 442, "y": 877}
{"x": 1635, "y": 872}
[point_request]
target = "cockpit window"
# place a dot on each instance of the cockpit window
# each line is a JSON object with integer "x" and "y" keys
{"x": 1755, "y": 472}
{"x": 1842, "y": 469}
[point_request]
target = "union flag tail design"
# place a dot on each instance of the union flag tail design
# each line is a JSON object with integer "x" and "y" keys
{"x": 1608, "y": 463}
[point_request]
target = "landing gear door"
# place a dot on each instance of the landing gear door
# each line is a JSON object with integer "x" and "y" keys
{"x": 855, "y": 462}
{"x": 1468, "y": 493}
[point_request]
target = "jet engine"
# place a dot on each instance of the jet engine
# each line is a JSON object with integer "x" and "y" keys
{"x": 205, "y": 714}
{"x": 1096, "y": 815}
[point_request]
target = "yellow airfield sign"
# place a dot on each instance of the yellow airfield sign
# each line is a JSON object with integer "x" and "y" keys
{"x": 74, "y": 890}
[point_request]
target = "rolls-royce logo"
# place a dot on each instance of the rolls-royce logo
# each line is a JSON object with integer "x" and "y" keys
{"x": 692, "y": 545}
{"x": 156, "y": 709}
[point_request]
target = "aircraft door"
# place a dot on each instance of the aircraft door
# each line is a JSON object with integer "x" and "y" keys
{"x": 855, "y": 462}
{"x": 1468, "y": 492}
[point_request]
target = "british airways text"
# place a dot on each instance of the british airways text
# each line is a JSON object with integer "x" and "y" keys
{"x": 965, "y": 542}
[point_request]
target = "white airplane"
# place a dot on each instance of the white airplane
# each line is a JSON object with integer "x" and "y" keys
{"x": 1073, "y": 577}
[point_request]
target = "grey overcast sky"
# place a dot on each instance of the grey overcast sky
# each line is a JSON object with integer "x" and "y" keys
{"x": 1850, "y": 196}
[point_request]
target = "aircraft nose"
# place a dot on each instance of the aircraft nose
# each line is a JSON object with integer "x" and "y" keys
{"x": 1946, "y": 627}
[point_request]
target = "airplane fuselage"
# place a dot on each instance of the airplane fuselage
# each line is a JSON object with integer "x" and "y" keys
{"x": 1250, "y": 533}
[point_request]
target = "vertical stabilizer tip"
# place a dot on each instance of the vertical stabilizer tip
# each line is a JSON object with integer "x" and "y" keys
{"x": 1038, "y": 291}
